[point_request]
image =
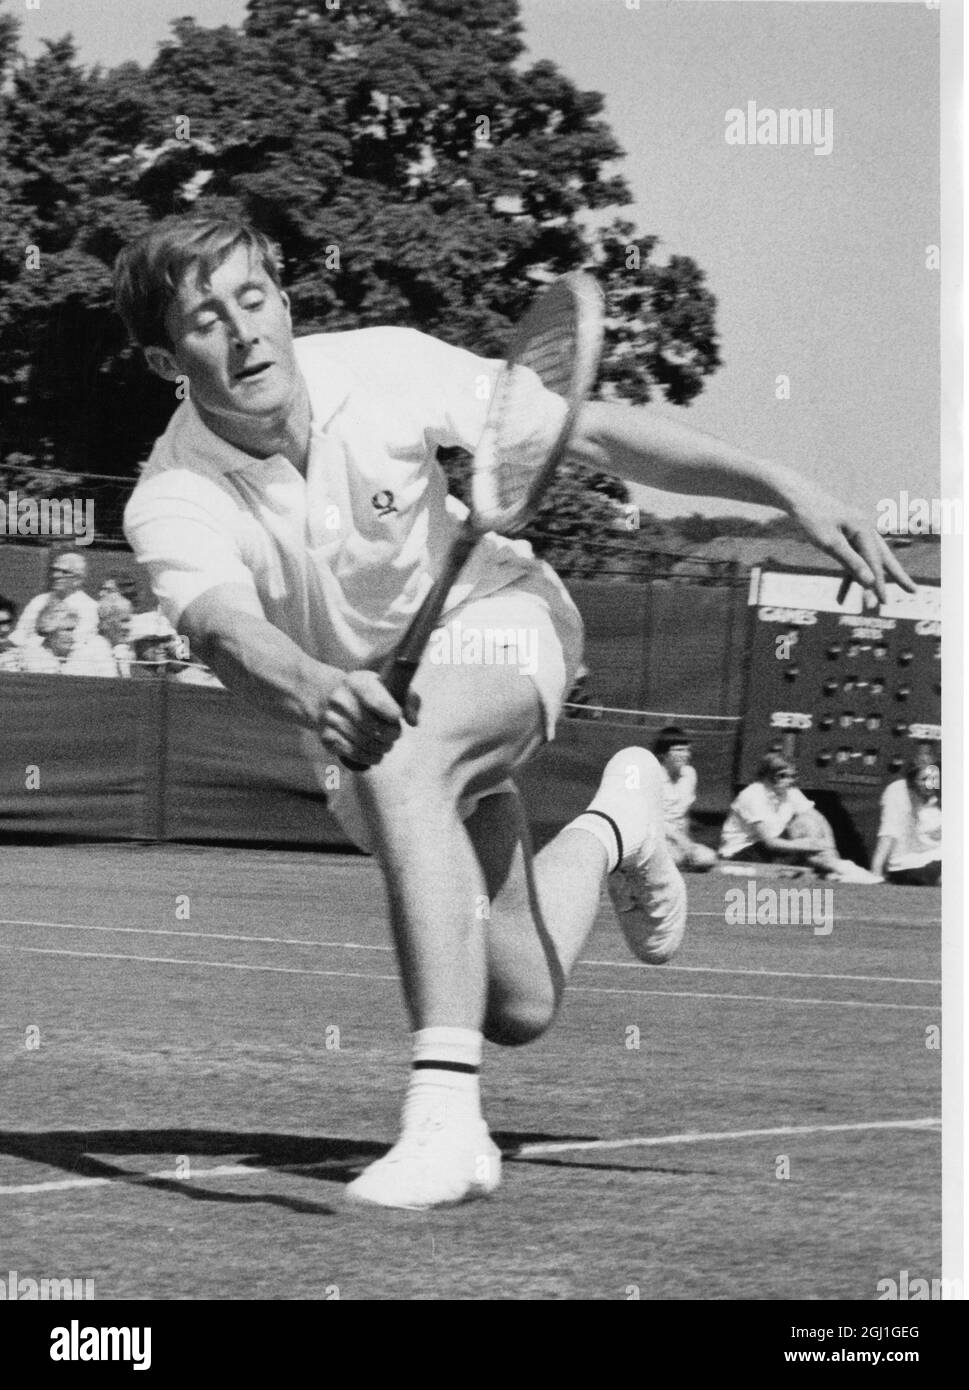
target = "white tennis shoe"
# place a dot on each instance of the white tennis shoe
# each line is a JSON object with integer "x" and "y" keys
{"x": 646, "y": 889}
{"x": 431, "y": 1165}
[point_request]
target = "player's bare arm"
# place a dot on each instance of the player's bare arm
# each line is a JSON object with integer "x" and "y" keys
{"x": 351, "y": 712}
{"x": 644, "y": 447}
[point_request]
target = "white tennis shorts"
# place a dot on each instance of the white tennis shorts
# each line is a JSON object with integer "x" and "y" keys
{"x": 532, "y": 624}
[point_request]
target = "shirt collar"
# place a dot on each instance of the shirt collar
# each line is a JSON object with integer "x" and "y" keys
{"x": 328, "y": 383}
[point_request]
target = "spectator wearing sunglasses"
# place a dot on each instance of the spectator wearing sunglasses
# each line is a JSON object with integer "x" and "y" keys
{"x": 65, "y": 580}
{"x": 757, "y": 824}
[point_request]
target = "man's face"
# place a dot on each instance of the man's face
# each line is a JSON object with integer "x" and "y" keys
{"x": 63, "y": 579}
{"x": 61, "y": 641}
{"x": 676, "y": 759}
{"x": 233, "y": 339}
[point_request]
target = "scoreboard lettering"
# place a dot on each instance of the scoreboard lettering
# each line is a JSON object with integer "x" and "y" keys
{"x": 783, "y": 719}
{"x": 801, "y": 617}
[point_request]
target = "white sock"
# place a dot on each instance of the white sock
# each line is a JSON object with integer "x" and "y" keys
{"x": 626, "y": 812}
{"x": 606, "y": 831}
{"x": 444, "y": 1087}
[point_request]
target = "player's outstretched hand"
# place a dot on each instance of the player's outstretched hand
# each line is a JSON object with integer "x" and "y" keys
{"x": 844, "y": 534}
{"x": 361, "y": 721}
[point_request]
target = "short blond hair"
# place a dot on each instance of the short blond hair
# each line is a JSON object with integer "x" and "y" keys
{"x": 149, "y": 270}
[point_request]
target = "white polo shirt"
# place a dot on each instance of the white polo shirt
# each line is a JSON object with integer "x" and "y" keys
{"x": 339, "y": 560}
{"x": 759, "y": 806}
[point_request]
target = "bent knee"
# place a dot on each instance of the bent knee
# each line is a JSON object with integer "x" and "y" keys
{"x": 514, "y": 1022}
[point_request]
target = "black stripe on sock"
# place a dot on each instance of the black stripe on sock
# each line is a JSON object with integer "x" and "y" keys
{"x": 615, "y": 831}
{"x": 447, "y": 1066}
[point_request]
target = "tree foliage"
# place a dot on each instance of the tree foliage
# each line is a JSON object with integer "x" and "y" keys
{"x": 413, "y": 166}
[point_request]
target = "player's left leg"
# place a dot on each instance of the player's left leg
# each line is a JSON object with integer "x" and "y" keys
{"x": 476, "y": 723}
{"x": 515, "y": 926}
{"x": 481, "y": 931}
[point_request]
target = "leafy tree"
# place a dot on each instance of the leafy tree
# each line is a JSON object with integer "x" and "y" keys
{"x": 411, "y": 164}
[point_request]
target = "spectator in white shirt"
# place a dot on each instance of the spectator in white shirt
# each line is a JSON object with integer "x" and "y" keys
{"x": 759, "y": 817}
{"x": 111, "y": 646}
{"x": 909, "y": 846}
{"x": 673, "y": 750}
{"x": 64, "y": 584}
{"x": 59, "y": 652}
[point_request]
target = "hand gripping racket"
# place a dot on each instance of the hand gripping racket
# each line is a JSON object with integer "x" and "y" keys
{"x": 557, "y": 344}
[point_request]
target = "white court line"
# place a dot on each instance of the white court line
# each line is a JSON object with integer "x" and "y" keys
{"x": 209, "y": 964}
{"x": 359, "y": 946}
{"x": 782, "y": 974}
{"x": 235, "y": 1170}
{"x": 201, "y": 935}
{"x": 871, "y": 921}
{"x": 656, "y": 1141}
{"x": 754, "y": 998}
{"x": 221, "y": 1170}
{"x": 366, "y": 975}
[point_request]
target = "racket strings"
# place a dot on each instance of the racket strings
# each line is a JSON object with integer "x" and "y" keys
{"x": 551, "y": 356}
{"x": 550, "y": 368}
{"x": 526, "y": 421}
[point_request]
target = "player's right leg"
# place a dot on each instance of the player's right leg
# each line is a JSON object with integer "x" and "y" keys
{"x": 542, "y": 909}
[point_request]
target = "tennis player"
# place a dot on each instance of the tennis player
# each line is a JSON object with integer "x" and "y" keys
{"x": 291, "y": 519}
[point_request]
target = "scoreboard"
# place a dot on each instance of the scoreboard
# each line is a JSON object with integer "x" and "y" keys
{"x": 848, "y": 694}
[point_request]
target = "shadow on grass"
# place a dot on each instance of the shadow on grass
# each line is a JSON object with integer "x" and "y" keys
{"x": 76, "y": 1152}
{"x": 79, "y": 1153}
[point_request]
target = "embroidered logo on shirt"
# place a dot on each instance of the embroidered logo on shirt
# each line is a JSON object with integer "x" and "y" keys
{"x": 383, "y": 503}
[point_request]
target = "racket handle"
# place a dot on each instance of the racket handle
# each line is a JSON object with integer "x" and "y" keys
{"x": 396, "y": 676}
{"x": 398, "y": 670}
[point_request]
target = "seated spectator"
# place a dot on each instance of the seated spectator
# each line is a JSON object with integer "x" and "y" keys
{"x": 8, "y": 619}
{"x": 150, "y": 624}
{"x": 758, "y": 818}
{"x": 158, "y": 655}
{"x": 59, "y": 651}
{"x": 121, "y": 584}
{"x": 909, "y": 845}
{"x": 66, "y": 574}
{"x": 152, "y": 657}
{"x": 673, "y": 749}
{"x": 114, "y": 630}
